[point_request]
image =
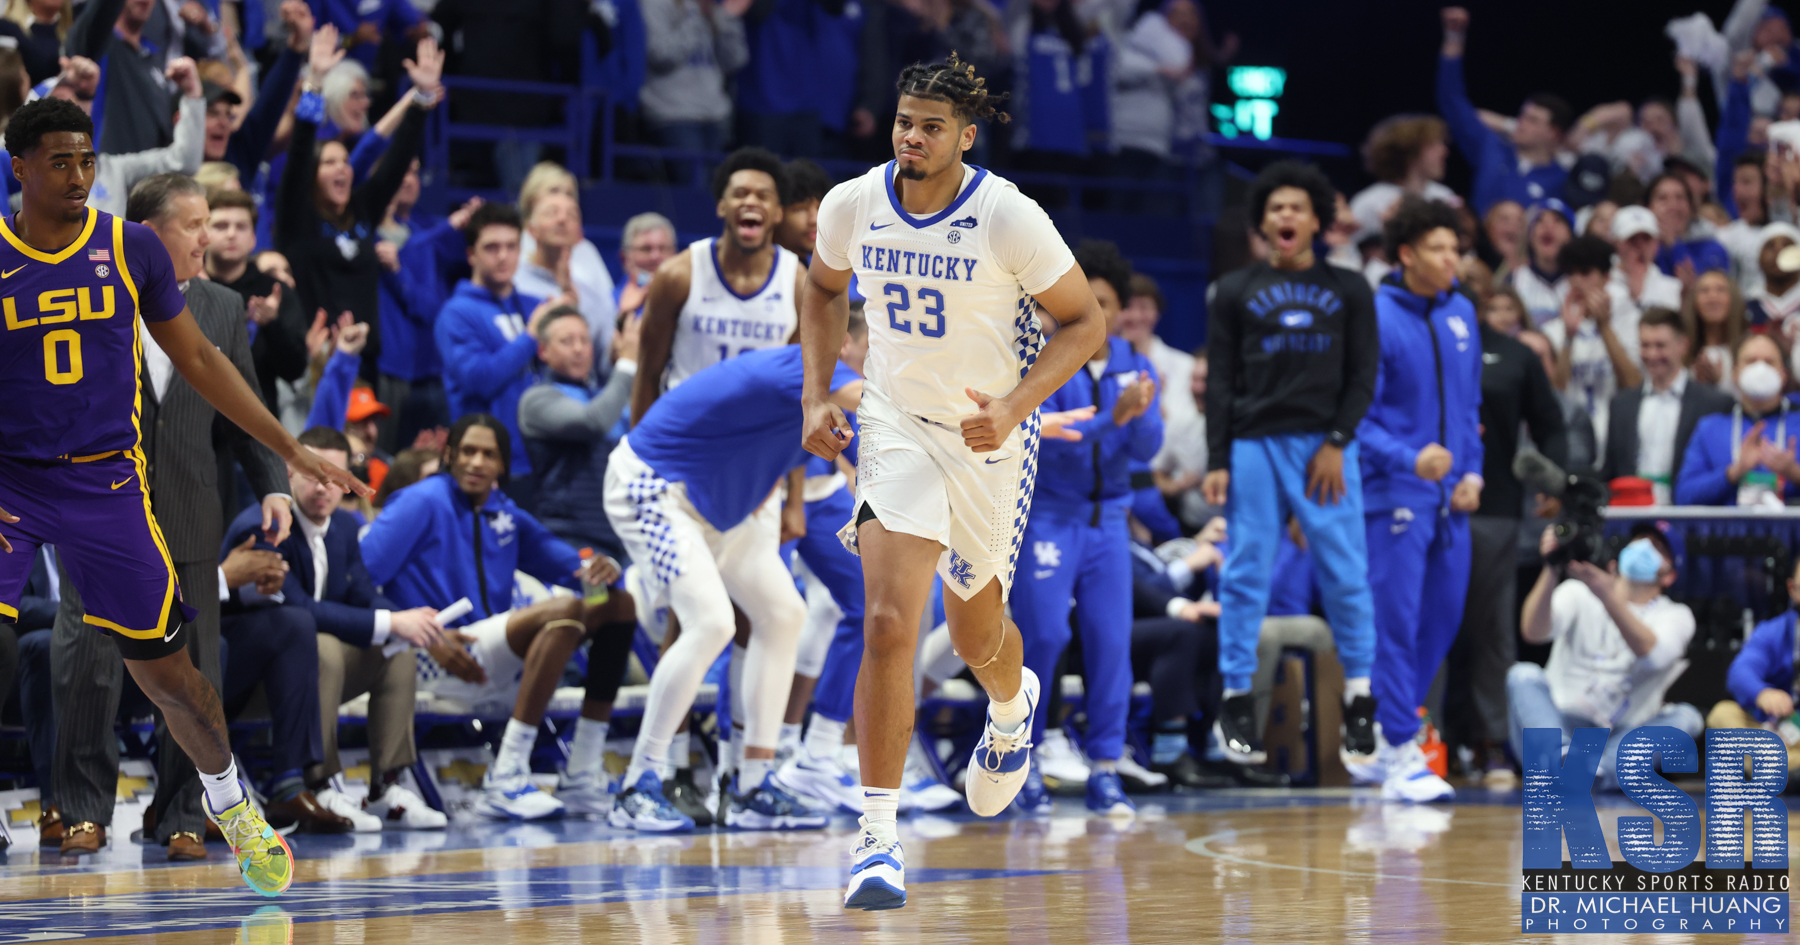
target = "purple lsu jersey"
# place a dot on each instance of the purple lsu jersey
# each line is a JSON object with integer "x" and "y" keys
{"x": 69, "y": 364}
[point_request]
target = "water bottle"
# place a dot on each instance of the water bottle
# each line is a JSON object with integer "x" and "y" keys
{"x": 593, "y": 594}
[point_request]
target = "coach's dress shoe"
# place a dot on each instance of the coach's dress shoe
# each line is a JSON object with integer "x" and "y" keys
{"x": 304, "y": 812}
{"x": 186, "y": 845}
{"x": 84, "y": 837}
{"x": 50, "y": 827}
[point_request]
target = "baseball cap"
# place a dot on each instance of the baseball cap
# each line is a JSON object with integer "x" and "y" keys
{"x": 1633, "y": 221}
{"x": 214, "y": 92}
{"x": 363, "y": 405}
{"x": 1548, "y": 205}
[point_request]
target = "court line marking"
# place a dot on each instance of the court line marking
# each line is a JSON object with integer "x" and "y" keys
{"x": 1200, "y": 846}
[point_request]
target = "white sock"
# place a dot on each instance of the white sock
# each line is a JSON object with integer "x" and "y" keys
{"x": 751, "y": 772}
{"x": 1012, "y": 713}
{"x": 1105, "y": 764}
{"x": 223, "y": 792}
{"x": 587, "y": 753}
{"x": 1355, "y": 686}
{"x": 825, "y": 738}
{"x": 515, "y": 747}
{"x": 790, "y": 735}
{"x": 1227, "y": 693}
{"x": 881, "y": 806}
{"x": 648, "y": 756}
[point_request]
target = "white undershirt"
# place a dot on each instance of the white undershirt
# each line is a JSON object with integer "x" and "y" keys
{"x": 1659, "y": 416}
{"x": 315, "y": 540}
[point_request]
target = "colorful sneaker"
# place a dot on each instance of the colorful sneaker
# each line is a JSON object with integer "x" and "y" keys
{"x": 1033, "y": 798}
{"x": 1236, "y": 731}
{"x": 920, "y": 788}
{"x": 510, "y": 795}
{"x": 823, "y": 780}
{"x": 768, "y": 807}
{"x": 264, "y": 859}
{"x": 588, "y": 793}
{"x": 401, "y": 809}
{"x": 1001, "y": 760}
{"x": 643, "y": 807}
{"x": 1106, "y": 795}
{"x": 877, "y": 870}
{"x": 1410, "y": 779}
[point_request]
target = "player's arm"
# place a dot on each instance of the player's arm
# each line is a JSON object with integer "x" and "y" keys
{"x": 1080, "y": 331}
{"x": 824, "y": 318}
{"x": 205, "y": 367}
{"x": 668, "y": 292}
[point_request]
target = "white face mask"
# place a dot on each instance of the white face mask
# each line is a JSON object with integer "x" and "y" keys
{"x": 1759, "y": 380}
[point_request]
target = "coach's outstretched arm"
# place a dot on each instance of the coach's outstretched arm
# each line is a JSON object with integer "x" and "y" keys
{"x": 824, "y": 318}
{"x": 217, "y": 379}
{"x": 1079, "y": 331}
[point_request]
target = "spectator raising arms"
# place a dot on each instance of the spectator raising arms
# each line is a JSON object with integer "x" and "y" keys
{"x": 1533, "y": 165}
{"x": 326, "y": 226}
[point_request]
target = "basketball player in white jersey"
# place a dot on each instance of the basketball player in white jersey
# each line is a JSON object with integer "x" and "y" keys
{"x": 723, "y": 296}
{"x": 713, "y": 301}
{"x": 964, "y": 276}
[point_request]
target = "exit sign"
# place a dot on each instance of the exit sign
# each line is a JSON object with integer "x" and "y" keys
{"x": 1257, "y": 88}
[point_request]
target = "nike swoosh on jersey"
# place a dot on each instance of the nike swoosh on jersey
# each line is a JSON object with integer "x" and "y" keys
{"x": 122, "y": 481}
{"x": 881, "y": 227}
{"x": 9, "y": 274}
{"x": 991, "y": 462}
{"x": 171, "y": 634}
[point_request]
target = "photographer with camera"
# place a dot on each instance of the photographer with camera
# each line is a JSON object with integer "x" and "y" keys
{"x": 1617, "y": 645}
{"x": 1746, "y": 457}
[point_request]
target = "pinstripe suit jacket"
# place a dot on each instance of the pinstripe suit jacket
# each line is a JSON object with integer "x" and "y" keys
{"x": 182, "y": 430}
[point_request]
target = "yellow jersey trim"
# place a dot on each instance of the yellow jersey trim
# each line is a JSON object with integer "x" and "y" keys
{"x": 87, "y": 232}
{"x": 9, "y": 610}
{"x": 136, "y": 453}
{"x": 96, "y": 456}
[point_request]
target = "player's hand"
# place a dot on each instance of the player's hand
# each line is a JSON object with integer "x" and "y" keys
{"x": 262, "y": 309}
{"x": 993, "y": 421}
{"x": 324, "y": 54}
{"x": 1215, "y": 487}
{"x": 352, "y": 338}
{"x": 278, "y": 518}
{"x": 310, "y": 465}
{"x": 1056, "y": 424}
{"x": 600, "y": 569}
{"x": 457, "y": 661}
{"x": 1433, "y": 463}
{"x": 185, "y": 74}
{"x": 1466, "y": 497}
{"x": 8, "y": 518}
{"x": 1133, "y": 401}
{"x": 1775, "y": 703}
{"x": 418, "y": 626}
{"x": 1325, "y": 475}
{"x": 827, "y": 432}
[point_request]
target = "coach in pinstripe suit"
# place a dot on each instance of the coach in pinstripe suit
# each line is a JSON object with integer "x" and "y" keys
{"x": 179, "y": 430}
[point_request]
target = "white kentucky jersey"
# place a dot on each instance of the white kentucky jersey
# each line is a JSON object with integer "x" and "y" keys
{"x": 717, "y": 323}
{"x": 949, "y": 295}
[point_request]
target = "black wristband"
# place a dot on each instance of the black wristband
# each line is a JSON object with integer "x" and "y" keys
{"x": 1338, "y": 438}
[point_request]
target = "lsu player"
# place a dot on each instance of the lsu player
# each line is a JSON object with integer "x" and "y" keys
{"x": 957, "y": 267}
{"x": 76, "y": 284}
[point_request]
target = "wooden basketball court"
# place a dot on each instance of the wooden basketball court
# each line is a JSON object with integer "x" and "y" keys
{"x": 1327, "y": 865}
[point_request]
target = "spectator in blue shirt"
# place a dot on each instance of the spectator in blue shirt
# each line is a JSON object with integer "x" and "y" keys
{"x": 487, "y": 332}
{"x": 1527, "y": 168}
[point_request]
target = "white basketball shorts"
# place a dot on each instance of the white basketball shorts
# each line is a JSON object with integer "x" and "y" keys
{"x": 504, "y": 668}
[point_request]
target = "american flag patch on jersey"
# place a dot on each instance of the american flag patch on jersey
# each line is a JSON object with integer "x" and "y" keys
{"x": 99, "y": 255}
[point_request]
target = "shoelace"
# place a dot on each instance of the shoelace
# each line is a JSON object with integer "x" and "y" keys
{"x": 1001, "y": 744}
{"x": 241, "y": 831}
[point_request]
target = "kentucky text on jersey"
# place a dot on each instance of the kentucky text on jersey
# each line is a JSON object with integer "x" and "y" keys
{"x": 1294, "y": 293}
{"x": 739, "y": 328}
{"x": 929, "y": 266}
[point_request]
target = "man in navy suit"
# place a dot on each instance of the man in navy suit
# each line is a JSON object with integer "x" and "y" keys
{"x": 364, "y": 645}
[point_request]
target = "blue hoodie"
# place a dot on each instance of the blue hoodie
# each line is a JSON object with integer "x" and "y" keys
{"x": 1075, "y": 480}
{"x": 1421, "y": 397}
{"x": 1497, "y": 174}
{"x": 1765, "y": 662}
{"x": 487, "y": 358}
{"x": 412, "y": 298}
{"x": 425, "y": 549}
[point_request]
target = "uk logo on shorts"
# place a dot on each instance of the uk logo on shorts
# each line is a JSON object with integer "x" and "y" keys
{"x": 961, "y": 571}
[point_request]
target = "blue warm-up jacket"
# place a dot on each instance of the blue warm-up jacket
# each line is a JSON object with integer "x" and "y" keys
{"x": 1765, "y": 662}
{"x": 487, "y": 358}
{"x": 1422, "y": 396}
{"x": 1076, "y": 479}
{"x": 426, "y": 549}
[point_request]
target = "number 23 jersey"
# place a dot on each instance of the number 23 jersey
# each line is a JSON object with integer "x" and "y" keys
{"x": 949, "y": 295}
{"x": 69, "y": 361}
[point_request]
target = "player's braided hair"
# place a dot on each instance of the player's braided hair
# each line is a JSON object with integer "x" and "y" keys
{"x": 953, "y": 81}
